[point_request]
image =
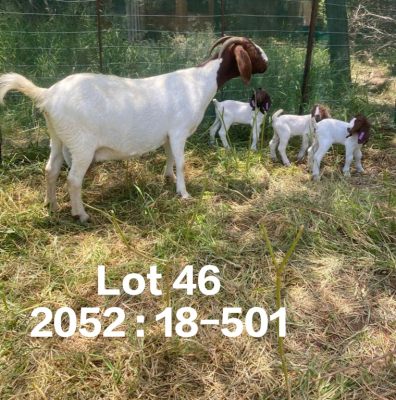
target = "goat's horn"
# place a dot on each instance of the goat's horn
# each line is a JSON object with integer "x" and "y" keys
{"x": 219, "y": 41}
{"x": 228, "y": 43}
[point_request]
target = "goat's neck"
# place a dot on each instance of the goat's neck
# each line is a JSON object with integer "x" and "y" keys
{"x": 206, "y": 81}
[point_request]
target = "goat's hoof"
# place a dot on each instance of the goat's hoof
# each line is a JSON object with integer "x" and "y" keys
{"x": 82, "y": 218}
{"x": 360, "y": 170}
{"x": 52, "y": 205}
{"x": 316, "y": 177}
{"x": 185, "y": 196}
{"x": 287, "y": 165}
{"x": 170, "y": 178}
{"x": 347, "y": 174}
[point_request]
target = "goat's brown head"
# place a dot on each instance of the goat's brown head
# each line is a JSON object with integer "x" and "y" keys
{"x": 241, "y": 57}
{"x": 362, "y": 127}
{"x": 319, "y": 111}
{"x": 261, "y": 99}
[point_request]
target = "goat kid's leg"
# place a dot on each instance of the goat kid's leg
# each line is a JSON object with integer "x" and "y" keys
{"x": 223, "y": 134}
{"x": 273, "y": 144}
{"x": 52, "y": 171}
{"x": 177, "y": 144}
{"x": 169, "y": 175}
{"x": 67, "y": 156}
{"x": 74, "y": 182}
{"x": 358, "y": 159}
{"x": 255, "y": 137}
{"x": 284, "y": 140}
{"x": 304, "y": 147}
{"x": 317, "y": 159}
{"x": 311, "y": 155}
{"x": 213, "y": 129}
{"x": 349, "y": 151}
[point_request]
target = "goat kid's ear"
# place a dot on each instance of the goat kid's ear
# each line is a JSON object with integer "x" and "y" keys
{"x": 244, "y": 64}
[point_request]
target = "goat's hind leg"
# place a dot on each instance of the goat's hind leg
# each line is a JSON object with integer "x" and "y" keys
{"x": 177, "y": 143}
{"x": 223, "y": 134}
{"x": 317, "y": 159}
{"x": 169, "y": 175}
{"x": 80, "y": 165}
{"x": 273, "y": 144}
{"x": 214, "y": 128}
{"x": 52, "y": 171}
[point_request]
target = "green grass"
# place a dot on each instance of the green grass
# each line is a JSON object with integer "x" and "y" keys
{"x": 338, "y": 291}
{"x": 338, "y": 288}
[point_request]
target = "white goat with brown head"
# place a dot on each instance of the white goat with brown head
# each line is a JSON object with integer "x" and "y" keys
{"x": 353, "y": 135}
{"x": 98, "y": 117}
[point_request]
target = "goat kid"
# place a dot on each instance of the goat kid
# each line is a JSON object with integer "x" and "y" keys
{"x": 230, "y": 112}
{"x": 327, "y": 132}
{"x": 93, "y": 117}
{"x": 287, "y": 126}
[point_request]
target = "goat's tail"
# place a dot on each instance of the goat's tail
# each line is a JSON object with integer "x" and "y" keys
{"x": 276, "y": 115}
{"x": 314, "y": 124}
{"x": 217, "y": 106}
{"x": 18, "y": 82}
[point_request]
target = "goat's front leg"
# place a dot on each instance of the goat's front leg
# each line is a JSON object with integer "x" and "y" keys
{"x": 358, "y": 158}
{"x": 52, "y": 171}
{"x": 255, "y": 136}
{"x": 177, "y": 143}
{"x": 80, "y": 165}
{"x": 349, "y": 150}
{"x": 169, "y": 175}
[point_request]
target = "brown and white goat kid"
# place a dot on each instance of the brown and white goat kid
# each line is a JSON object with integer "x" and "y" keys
{"x": 97, "y": 117}
{"x": 287, "y": 126}
{"x": 327, "y": 132}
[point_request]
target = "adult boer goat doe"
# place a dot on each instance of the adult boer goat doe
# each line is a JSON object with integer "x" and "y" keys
{"x": 95, "y": 117}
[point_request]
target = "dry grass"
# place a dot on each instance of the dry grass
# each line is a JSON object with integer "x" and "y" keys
{"x": 339, "y": 288}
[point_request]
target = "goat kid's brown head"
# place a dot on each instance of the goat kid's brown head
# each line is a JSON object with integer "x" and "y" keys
{"x": 362, "y": 127}
{"x": 241, "y": 57}
{"x": 319, "y": 111}
{"x": 261, "y": 99}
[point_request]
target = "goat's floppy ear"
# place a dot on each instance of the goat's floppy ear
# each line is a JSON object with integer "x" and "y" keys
{"x": 244, "y": 64}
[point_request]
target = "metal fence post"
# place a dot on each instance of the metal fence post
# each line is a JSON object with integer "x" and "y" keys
{"x": 308, "y": 58}
{"x": 99, "y": 35}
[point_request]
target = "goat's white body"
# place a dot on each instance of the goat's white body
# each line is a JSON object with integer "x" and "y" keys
{"x": 121, "y": 118}
{"x": 96, "y": 117}
{"x": 328, "y": 132}
{"x": 286, "y": 127}
{"x": 234, "y": 113}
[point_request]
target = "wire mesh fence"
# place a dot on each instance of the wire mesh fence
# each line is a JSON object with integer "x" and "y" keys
{"x": 354, "y": 45}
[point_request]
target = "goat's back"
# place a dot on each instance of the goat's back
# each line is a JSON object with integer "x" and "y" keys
{"x": 130, "y": 116}
{"x": 295, "y": 125}
{"x": 237, "y": 111}
{"x": 334, "y": 131}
